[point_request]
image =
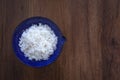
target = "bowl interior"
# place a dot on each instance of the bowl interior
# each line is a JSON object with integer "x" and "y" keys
{"x": 26, "y": 24}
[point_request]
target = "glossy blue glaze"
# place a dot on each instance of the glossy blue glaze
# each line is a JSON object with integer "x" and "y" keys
{"x": 26, "y": 24}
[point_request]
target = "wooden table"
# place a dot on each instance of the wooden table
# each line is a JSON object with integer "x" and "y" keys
{"x": 92, "y": 29}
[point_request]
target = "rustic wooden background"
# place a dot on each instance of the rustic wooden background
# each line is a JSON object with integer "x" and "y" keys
{"x": 92, "y": 29}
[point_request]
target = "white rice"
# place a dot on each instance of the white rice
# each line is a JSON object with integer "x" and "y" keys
{"x": 38, "y": 42}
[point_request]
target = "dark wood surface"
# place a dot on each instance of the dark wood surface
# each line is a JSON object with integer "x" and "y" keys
{"x": 92, "y": 29}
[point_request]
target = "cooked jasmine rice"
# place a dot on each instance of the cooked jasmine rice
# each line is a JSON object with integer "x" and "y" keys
{"x": 38, "y": 42}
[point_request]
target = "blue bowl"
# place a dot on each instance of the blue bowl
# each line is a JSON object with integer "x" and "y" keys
{"x": 26, "y": 24}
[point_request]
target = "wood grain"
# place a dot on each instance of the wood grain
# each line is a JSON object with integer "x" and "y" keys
{"x": 91, "y": 27}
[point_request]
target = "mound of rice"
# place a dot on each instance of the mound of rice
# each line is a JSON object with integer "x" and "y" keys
{"x": 38, "y": 42}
